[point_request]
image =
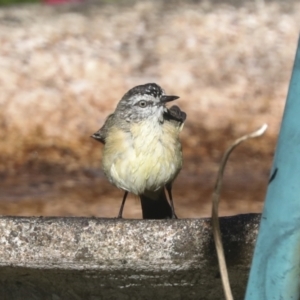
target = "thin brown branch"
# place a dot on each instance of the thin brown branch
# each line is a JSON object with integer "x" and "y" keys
{"x": 215, "y": 207}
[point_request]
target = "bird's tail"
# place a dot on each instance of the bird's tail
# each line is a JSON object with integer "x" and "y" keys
{"x": 155, "y": 205}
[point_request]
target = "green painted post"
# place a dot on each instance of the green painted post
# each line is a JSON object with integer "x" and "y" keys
{"x": 275, "y": 271}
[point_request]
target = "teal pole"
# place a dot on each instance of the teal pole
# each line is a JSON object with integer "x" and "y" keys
{"x": 275, "y": 271}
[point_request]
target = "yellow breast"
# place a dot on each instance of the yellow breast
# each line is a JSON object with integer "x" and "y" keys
{"x": 144, "y": 159}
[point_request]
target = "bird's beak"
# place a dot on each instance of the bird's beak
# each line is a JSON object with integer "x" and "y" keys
{"x": 165, "y": 98}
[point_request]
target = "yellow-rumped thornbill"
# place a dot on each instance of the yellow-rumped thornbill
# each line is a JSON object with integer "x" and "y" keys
{"x": 142, "y": 151}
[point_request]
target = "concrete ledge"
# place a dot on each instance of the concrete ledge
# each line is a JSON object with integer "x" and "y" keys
{"x": 89, "y": 258}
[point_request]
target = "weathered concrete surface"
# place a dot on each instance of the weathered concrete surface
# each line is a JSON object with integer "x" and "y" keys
{"x": 86, "y": 258}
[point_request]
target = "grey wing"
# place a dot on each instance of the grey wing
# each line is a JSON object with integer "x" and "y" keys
{"x": 101, "y": 134}
{"x": 175, "y": 115}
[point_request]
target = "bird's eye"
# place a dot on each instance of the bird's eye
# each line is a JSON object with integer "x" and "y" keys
{"x": 142, "y": 103}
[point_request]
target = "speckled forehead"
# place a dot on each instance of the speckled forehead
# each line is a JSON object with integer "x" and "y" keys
{"x": 149, "y": 92}
{"x": 154, "y": 91}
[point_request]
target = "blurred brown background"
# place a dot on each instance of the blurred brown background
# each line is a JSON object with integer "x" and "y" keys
{"x": 64, "y": 68}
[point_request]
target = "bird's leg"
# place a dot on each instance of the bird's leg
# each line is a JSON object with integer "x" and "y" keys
{"x": 122, "y": 206}
{"x": 169, "y": 190}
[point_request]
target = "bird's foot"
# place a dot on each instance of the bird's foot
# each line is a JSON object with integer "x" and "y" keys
{"x": 174, "y": 216}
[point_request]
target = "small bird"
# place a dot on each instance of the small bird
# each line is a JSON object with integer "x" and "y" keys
{"x": 142, "y": 151}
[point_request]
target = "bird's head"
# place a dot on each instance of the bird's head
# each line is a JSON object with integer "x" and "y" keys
{"x": 143, "y": 102}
